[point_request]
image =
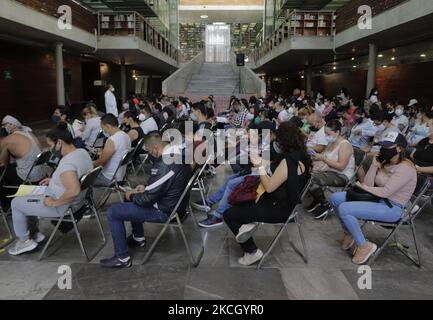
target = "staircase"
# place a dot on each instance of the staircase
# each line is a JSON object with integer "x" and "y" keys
{"x": 214, "y": 78}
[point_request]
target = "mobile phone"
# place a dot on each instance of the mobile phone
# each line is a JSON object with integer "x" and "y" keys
{"x": 33, "y": 200}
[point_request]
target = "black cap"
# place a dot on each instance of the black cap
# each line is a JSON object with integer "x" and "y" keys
{"x": 393, "y": 138}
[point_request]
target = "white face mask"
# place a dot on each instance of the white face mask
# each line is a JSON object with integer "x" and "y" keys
{"x": 398, "y": 112}
{"x": 112, "y": 89}
{"x": 141, "y": 117}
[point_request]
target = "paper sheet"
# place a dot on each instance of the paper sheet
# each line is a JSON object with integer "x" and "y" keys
{"x": 25, "y": 190}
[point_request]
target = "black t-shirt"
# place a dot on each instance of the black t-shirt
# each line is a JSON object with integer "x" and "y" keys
{"x": 424, "y": 153}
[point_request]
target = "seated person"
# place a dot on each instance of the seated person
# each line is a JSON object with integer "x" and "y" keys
{"x": 317, "y": 139}
{"x": 135, "y": 132}
{"x": 20, "y": 144}
{"x": 333, "y": 168}
{"x": 363, "y": 132}
{"x": 282, "y": 191}
{"x": 154, "y": 202}
{"x": 63, "y": 191}
{"x": 423, "y": 153}
{"x": 391, "y": 176}
{"x": 148, "y": 123}
{"x": 240, "y": 117}
{"x": 90, "y": 130}
{"x": 63, "y": 114}
{"x": 116, "y": 146}
{"x": 420, "y": 130}
{"x": 400, "y": 120}
{"x": 200, "y": 115}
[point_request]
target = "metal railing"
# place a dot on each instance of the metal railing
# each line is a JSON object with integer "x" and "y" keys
{"x": 303, "y": 23}
{"x": 132, "y": 24}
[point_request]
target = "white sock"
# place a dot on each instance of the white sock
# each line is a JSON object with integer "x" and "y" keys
{"x": 138, "y": 239}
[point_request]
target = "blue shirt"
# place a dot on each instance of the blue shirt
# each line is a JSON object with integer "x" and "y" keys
{"x": 368, "y": 130}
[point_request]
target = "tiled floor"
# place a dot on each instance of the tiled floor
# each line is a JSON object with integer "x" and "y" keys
{"x": 329, "y": 273}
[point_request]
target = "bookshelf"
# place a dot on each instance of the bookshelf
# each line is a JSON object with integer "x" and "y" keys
{"x": 310, "y": 24}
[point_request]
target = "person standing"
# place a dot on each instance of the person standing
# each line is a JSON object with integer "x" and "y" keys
{"x": 110, "y": 101}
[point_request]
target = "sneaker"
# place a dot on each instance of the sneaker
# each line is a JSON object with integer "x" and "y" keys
{"x": 39, "y": 237}
{"x": 363, "y": 254}
{"x": 200, "y": 205}
{"x": 134, "y": 243}
{"x": 313, "y": 206}
{"x": 321, "y": 211}
{"x": 211, "y": 221}
{"x": 246, "y": 231}
{"x": 21, "y": 247}
{"x": 415, "y": 209}
{"x": 347, "y": 242}
{"x": 115, "y": 262}
{"x": 251, "y": 258}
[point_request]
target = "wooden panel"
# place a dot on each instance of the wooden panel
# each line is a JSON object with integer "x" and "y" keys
{"x": 348, "y": 15}
{"x": 31, "y": 92}
{"x": 81, "y": 17}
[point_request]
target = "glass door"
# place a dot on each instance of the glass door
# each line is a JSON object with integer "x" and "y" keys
{"x": 217, "y": 43}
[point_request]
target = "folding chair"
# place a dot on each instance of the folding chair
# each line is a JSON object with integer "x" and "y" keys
{"x": 294, "y": 217}
{"x": 408, "y": 219}
{"x": 4, "y": 214}
{"x": 176, "y": 221}
{"x": 87, "y": 182}
{"x": 98, "y": 143}
{"x": 41, "y": 159}
{"x": 138, "y": 148}
{"x": 114, "y": 184}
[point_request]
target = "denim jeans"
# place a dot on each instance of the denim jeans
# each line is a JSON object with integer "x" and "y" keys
{"x": 222, "y": 194}
{"x": 349, "y": 213}
{"x": 118, "y": 213}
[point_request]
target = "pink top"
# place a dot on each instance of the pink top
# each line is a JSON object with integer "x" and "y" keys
{"x": 396, "y": 182}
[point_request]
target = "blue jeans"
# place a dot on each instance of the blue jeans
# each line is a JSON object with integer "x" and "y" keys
{"x": 350, "y": 212}
{"x": 118, "y": 213}
{"x": 223, "y": 193}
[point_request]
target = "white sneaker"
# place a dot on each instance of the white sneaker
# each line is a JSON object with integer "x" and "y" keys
{"x": 39, "y": 237}
{"x": 21, "y": 247}
{"x": 245, "y": 232}
{"x": 415, "y": 209}
{"x": 251, "y": 258}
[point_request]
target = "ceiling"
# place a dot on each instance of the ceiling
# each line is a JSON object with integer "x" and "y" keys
{"x": 144, "y": 7}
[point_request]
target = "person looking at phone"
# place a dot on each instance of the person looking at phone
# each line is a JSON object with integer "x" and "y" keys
{"x": 62, "y": 192}
{"x": 391, "y": 176}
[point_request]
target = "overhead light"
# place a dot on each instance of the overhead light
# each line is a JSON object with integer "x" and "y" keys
{"x": 393, "y": 58}
{"x": 302, "y": 77}
{"x": 334, "y": 68}
{"x": 354, "y": 66}
{"x": 219, "y": 23}
{"x": 203, "y": 16}
{"x": 385, "y": 66}
{"x": 353, "y": 58}
{"x": 423, "y": 55}
{"x": 380, "y": 55}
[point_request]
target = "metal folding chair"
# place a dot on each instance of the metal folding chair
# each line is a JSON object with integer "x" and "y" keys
{"x": 41, "y": 159}
{"x": 114, "y": 184}
{"x": 137, "y": 150}
{"x": 4, "y": 214}
{"x": 293, "y": 218}
{"x": 87, "y": 182}
{"x": 408, "y": 220}
{"x": 176, "y": 221}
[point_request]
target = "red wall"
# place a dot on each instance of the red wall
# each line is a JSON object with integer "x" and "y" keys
{"x": 31, "y": 94}
{"x": 400, "y": 83}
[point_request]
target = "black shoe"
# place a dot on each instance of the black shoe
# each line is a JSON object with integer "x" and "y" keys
{"x": 115, "y": 262}
{"x": 313, "y": 206}
{"x": 321, "y": 211}
{"x": 134, "y": 243}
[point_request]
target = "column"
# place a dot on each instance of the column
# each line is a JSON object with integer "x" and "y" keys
{"x": 60, "y": 81}
{"x": 372, "y": 64}
{"x": 123, "y": 82}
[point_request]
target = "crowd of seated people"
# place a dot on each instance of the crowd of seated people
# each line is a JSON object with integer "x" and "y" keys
{"x": 311, "y": 137}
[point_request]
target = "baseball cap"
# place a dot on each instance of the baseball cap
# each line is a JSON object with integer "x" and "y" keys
{"x": 412, "y": 102}
{"x": 266, "y": 125}
{"x": 393, "y": 138}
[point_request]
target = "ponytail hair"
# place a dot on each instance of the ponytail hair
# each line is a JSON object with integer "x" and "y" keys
{"x": 61, "y": 132}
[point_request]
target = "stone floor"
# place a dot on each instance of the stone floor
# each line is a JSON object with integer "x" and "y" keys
{"x": 329, "y": 273}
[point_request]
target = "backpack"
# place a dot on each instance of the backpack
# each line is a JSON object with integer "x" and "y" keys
{"x": 245, "y": 191}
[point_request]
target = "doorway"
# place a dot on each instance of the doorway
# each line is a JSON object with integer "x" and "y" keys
{"x": 217, "y": 43}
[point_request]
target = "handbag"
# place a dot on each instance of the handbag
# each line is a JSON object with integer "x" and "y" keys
{"x": 356, "y": 193}
{"x": 244, "y": 192}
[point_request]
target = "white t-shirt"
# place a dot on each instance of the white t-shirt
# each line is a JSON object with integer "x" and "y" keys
{"x": 122, "y": 144}
{"x": 403, "y": 120}
{"x": 91, "y": 131}
{"x": 285, "y": 115}
{"x": 111, "y": 103}
{"x": 373, "y": 99}
{"x": 149, "y": 125}
{"x": 317, "y": 139}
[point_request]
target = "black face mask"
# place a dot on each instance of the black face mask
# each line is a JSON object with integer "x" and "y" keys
{"x": 56, "y": 153}
{"x": 359, "y": 120}
{"x": 386, "y": 155}
{"x": 314, "y": 129}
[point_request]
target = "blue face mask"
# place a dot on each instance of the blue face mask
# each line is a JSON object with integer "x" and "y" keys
{"x": 55, "y": 118}
{"x": 194, "y": 117}
{"x": 331, "y": 139}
